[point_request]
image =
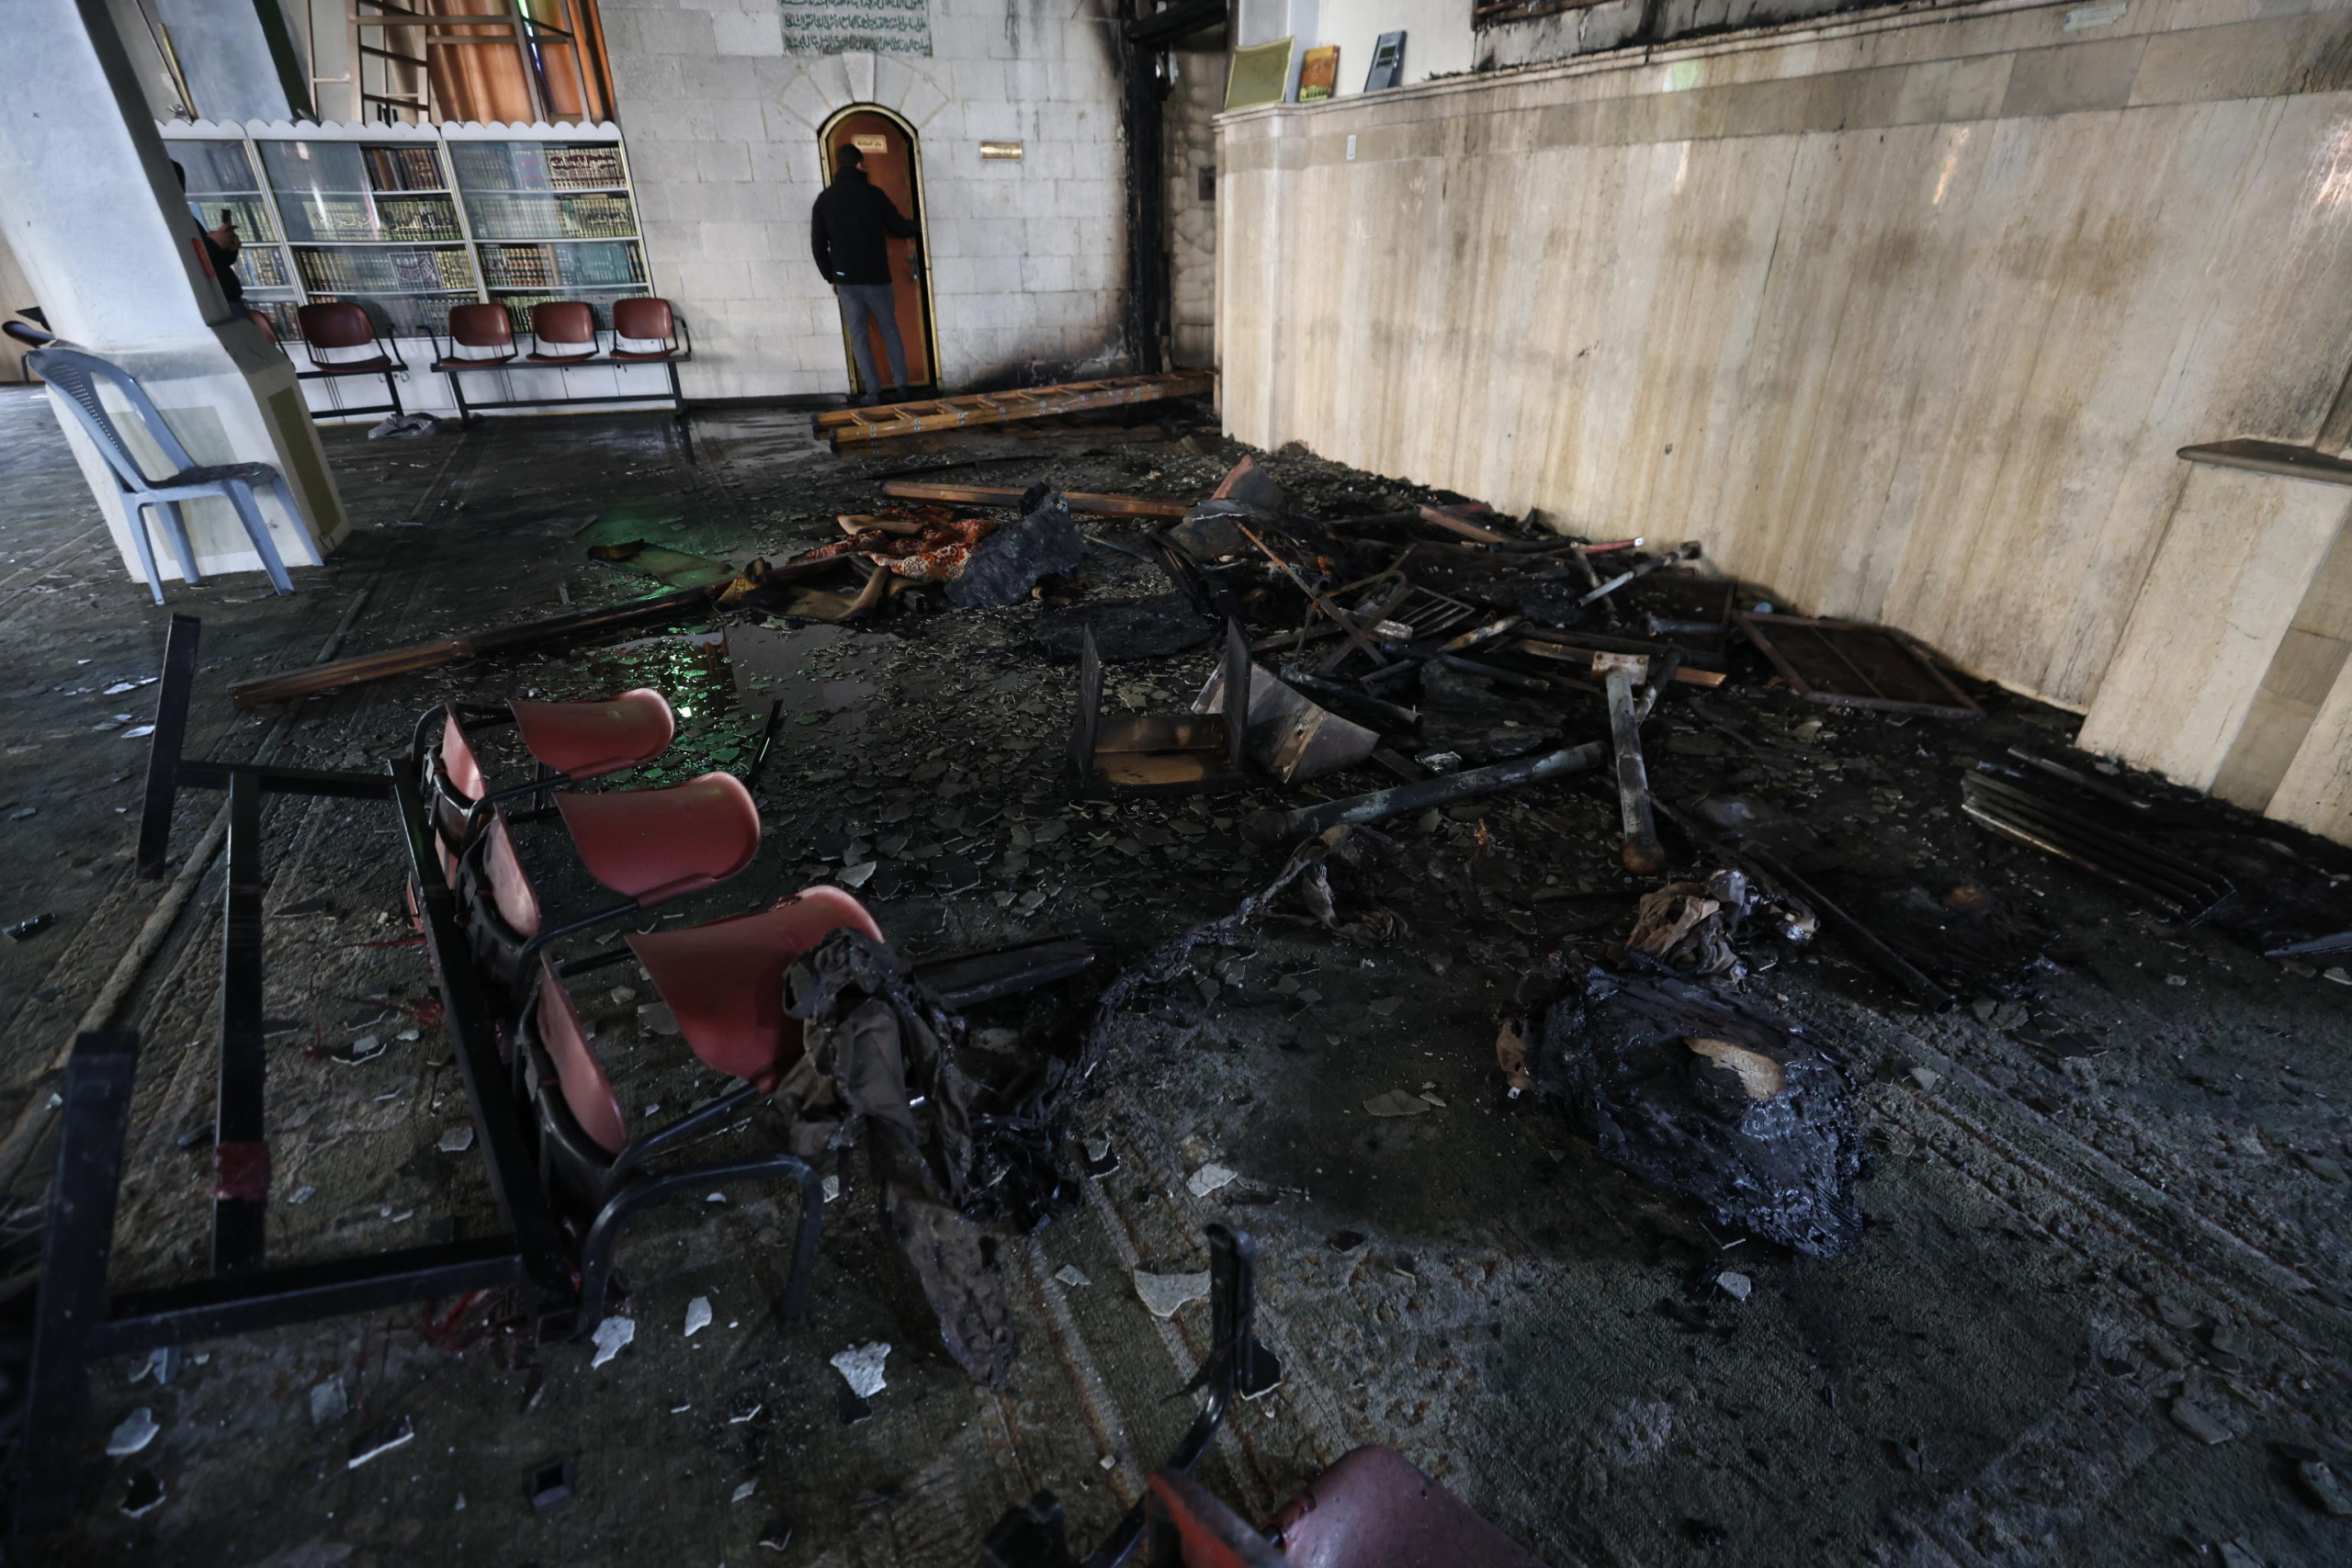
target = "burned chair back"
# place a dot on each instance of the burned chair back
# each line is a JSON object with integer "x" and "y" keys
{"x": 723, "y": 980}
{"x": 1159, "y": 753}
{"x": 600, "y": 1176}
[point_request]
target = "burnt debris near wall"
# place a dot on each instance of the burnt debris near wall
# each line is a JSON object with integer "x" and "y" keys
{"x": 1574, "y": 977}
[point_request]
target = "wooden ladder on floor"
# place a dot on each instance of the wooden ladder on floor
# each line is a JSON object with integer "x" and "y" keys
{"x": 847, "y": 425}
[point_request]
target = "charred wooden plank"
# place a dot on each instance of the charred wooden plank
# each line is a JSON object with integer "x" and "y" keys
{"x": 1007, "y": 495}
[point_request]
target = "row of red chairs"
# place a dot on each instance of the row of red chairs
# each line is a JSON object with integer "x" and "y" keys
{"x": 481, "y": 337}
{"x": 722, "y": 981}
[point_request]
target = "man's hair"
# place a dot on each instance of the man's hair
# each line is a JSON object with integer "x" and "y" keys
{"x": 847, "y": 158}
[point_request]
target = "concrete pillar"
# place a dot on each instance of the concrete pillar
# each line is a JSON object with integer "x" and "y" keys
{"x": 96, "y": 220}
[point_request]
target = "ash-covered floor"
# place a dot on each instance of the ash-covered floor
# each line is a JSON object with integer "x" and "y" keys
{"x": 2098, "y": 1316}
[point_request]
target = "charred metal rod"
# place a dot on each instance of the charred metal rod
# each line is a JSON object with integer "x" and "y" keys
{"x": 1687, "y": 551}
{"x": 1662, "y": 674}
{"x": 1608, "y": 644}
{"x": 1273, "y": 827}
{"x": 1991, "y": 798}
{"x": 2103, "y": 854}
{"x": 2053, "y": 842}
{"x": 767, "y": 740}
{"x": 1477, "y": 635}
{"x": 1642, "y": 853}
{"x": 1510, "y": 680}
{"x": 2081, "y": 779}
{"x": 1667, "y": 628}
{"x": 2340, "y": 943}
{"x": 1338, "y": 696}
{"x": 1354, "y": 633}
{"x": 1889, "y": 963}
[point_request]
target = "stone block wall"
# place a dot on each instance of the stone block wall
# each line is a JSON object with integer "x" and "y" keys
{"x": 1905, "y": 316}
{"x": 1027, "y": 258}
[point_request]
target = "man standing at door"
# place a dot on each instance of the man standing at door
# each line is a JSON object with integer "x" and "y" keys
{"x": 849, "y": 231}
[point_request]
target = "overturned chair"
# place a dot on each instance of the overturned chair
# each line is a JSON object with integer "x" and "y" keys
{"x": 724, "y": 983}
{"x": 567, "y": 743}
{"x": 647, "y": 846}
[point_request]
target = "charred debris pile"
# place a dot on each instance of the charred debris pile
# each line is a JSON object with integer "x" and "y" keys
{"x": 1743, "y": 789}
{"x": 1601, "y": 764}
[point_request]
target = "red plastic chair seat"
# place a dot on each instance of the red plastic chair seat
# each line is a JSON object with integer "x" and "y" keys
{"x": 1208, "y": 1534}
{"x": 724, "y": 981}
{"x": 586, "y": 740}
{"x": 461, "y": 362}
{"x": 375, "y": 366}
{"x": 459, "y": 762}
{"x": 1373, "y": 1509}
{"x": 587, "y": 1092}
{"x": 653, "y": 845}
{"x": 538, "y": 356}
{"x": 511, "y": 893}
{"x": 640, "y": 355}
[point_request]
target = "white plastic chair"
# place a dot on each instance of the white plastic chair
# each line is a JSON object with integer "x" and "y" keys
{"x": 76, "y": 375}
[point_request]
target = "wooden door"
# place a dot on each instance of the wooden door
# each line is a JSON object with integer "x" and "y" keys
{"x": 889, "y": 152}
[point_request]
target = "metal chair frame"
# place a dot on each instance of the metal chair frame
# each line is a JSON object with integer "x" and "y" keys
{"x": 329, "y": 371}
{"x": 679, "y": 348}
{"x": 611, "y": 1188}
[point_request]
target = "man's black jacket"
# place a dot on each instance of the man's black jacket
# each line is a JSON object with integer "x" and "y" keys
{"x": 848, "y": 227}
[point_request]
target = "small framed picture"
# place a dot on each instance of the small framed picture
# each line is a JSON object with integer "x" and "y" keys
{"x": 1319, "y": 73}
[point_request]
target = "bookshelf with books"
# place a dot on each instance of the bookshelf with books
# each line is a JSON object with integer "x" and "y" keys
{"x": 374, "y": 224}
{"x": 537, "y": 190}
{"x": 409, "y": 223}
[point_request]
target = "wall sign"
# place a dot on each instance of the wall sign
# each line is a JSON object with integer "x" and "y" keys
{"x": 839, "y": 27}
{"x": 1010, "y": 150}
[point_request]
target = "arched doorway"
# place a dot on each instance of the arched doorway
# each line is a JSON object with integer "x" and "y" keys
{"x": 894, "y": 163}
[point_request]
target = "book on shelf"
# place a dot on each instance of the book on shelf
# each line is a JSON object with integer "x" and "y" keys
{"x": 402, "y": 168}
{"x": 579, "y": 168}
{"x": 597, "y": 218}
{"x": 425, "y": 218}
{"x": 519, "y": 266}
{"x": 603, "y": 266}
{"x": 335, "y": 217}
{"x": 415, "y": 269}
